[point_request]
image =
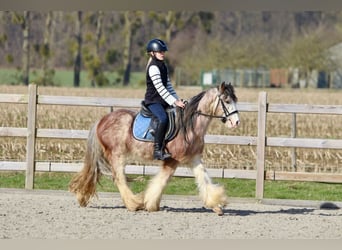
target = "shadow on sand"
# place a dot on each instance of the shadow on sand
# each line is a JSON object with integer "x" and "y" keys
{"x": 235, "y": 212}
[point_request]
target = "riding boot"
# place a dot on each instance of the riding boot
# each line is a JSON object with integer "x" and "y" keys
{"x": 159, "y": 153}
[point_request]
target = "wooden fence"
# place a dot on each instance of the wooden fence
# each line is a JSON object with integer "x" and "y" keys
{"x": 261, "y": 141}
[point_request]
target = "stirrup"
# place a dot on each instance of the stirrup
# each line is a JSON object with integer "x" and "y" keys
{"x": 160, "y": 155}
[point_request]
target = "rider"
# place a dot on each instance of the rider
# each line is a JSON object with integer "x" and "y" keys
{"x": 159, "y": 93}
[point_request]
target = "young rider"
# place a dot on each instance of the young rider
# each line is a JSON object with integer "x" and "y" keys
{"x": 159, "y": 93}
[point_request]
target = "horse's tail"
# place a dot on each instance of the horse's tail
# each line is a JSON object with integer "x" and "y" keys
{"x": 83, "y": 184}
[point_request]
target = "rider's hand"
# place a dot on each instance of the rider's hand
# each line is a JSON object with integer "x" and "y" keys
{"x": 180, "y": 103}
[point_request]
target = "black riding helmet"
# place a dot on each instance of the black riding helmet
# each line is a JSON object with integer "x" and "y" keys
{"x": 156, "y": 45}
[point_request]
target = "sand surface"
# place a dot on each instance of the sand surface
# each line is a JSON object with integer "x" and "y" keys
{"x": 39, "y": 214}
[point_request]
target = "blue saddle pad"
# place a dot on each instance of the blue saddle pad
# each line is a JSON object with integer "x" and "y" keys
{"x": 141, "y": 128}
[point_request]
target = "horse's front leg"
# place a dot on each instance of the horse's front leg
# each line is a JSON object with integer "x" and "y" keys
{"x": 157, "y": 185}
{"x": 212, "y": 195}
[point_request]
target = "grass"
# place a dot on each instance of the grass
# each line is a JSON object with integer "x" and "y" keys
{"x": 241, "y": 188}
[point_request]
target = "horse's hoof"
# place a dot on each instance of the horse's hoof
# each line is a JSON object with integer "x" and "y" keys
{"x": 218, "y": 211}
{"x": 152, "y": 208}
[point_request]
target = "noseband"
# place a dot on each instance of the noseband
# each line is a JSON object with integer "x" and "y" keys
{"x": 225, "y": 110}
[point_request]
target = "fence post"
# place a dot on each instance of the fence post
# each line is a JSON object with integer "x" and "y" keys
{"x": 294, "y": 135}
{"x": 31, "y": 136}
{"x": 261, "y": 144}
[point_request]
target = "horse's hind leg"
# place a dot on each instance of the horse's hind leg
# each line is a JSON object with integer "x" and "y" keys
{"x": 132, "y": 202}
{"x": 156, "y": 186}
{"x": 212, "y": 195}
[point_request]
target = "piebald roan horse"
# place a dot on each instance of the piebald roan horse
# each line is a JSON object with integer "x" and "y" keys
{"x": 111, "y": 145}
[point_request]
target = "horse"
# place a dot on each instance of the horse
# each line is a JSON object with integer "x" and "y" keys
{"x": 111, "y": 145}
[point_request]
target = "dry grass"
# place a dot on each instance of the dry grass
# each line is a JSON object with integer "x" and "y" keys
{"x": 215, "y": 156}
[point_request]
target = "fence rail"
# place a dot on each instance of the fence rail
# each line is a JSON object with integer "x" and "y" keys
{"x": 261, "y": 141}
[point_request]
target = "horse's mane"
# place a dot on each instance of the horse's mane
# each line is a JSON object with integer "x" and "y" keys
{"x": 185, "y": 117}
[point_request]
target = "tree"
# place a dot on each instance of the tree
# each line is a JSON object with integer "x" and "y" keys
{"x": 24, "y": 21}
{"x": 91, "y": 49}
{"x": 132, "y": 21}
{"x": 97, "y": 72}
{"x": 127, "y": 55}
{"x": 170, "y": 24}
{"x": 174, "y": 23}
{"x": 78, "y": 59}
{"x": 46, "y": 50}
{"x": 26, "y": 47}
{"x": 307, "y": 54}
{"x": 3, "y": 37}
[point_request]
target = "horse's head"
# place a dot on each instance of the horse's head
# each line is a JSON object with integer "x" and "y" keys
{"x": 226, "y": 106}
{"x": 217, "y": 102}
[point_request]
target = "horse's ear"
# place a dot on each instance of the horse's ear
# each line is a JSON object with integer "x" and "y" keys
{"x": 222, "y": 87}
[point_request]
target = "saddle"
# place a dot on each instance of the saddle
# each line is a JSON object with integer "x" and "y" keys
{"x": 145, "y": 124}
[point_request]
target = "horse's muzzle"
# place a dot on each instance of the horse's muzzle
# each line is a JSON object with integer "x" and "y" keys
{"x": 233, "y": 122}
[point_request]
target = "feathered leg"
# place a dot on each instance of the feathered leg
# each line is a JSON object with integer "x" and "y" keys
{"x": 212, "y": 195}
{"x": 132, "y": 201}
{"x": 157, "y": 185}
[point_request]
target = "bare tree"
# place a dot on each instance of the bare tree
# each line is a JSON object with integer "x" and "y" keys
{"x": 99, "y": 24}
{"x": 78, "y": 59}
{"x": 132, "y": 21}
{"x": 25, "y": 24}
{"x": 127, "y": 55}
{"x": 46, "y": 51}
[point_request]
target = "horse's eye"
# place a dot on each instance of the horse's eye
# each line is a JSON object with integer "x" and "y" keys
{"x": 227, "y": 100}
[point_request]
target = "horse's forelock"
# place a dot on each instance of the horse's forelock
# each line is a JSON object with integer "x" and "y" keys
{"x": 230, "y": 92}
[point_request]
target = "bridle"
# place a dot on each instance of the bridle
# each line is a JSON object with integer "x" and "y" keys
{"x": 224, "y": 108}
